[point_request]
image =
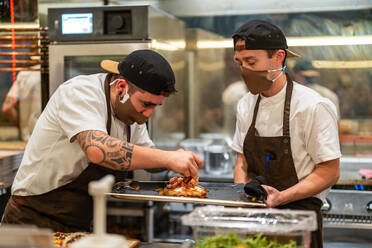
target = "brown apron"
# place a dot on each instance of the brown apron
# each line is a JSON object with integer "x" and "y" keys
{"x": 68, "y": 208}
{"x": 271, "y": 157}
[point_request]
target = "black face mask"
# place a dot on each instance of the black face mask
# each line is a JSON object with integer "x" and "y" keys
{"x": 257, "y": 81}
{"x": 125, "y": 111}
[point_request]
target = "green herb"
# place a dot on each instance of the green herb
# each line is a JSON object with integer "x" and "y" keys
{"x": 234, "y": 241}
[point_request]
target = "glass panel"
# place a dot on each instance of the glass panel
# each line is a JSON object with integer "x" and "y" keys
{"x": 342, "y": 66}
{"x": 85, "y": 65}
{"x": 167, "y": 122}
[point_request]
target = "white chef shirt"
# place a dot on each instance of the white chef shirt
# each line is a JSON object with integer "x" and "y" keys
{"x": 313, "y": 126}
{"x": 27, "y": 90}
{"x": 50, "y": 159}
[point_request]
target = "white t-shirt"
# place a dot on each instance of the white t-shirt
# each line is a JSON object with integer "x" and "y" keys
{"x": 327, "y": 93}
{"x": 313, "y": 126}
{"x": 50, "y": 159}
{"x": 27, "y": 91}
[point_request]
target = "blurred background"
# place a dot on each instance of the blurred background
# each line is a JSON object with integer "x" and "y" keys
{"x": 333, "y": 37}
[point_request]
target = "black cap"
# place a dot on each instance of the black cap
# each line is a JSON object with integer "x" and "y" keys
{"x": 146, "y": 69}
{"x": 263, "y": 35}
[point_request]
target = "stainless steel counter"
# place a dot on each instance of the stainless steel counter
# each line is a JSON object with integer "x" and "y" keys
{"x": 159, "y": 245}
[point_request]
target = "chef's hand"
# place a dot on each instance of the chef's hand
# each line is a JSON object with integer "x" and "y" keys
{"x": 273, "y": 196}
{"x": 184, "y": 162}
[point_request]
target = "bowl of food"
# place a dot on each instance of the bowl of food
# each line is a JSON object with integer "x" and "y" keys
{"x": 249, "y": 227}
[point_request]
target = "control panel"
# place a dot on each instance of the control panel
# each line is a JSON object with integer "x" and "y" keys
{"x": 349, "y": 202}
{"x": 98, "y": 23}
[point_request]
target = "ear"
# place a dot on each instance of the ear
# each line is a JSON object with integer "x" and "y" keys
{"x": 121, "y": 87}
{"x": 280, "y": 55}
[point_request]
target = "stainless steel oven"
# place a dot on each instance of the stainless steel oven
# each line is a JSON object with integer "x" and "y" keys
{"x": 347, "y": 218}
{"x": 81, "y": 37}
{"x": 347, "y": 210}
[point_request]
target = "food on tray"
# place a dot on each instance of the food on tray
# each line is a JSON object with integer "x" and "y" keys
{"x": 234, "y": 241}
{"x": 62, "y": 239}
{"x": 183, "y": 187}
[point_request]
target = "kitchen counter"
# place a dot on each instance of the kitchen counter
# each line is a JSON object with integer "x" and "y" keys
{"x": 158, "y": 245}
{"x": 11, "y": 153}
{"x": 349, "y": 170}
{"x": 12, "y": 145}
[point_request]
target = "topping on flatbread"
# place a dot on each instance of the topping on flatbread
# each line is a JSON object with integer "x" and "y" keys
{"x": 183, "y": 187}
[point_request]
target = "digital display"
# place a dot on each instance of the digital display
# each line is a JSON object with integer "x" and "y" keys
{"x": 79, "y": 23}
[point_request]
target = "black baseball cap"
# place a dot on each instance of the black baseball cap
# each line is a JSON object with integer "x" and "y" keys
{"x": 263, "y": 35}
{"x": 146, "y": 69}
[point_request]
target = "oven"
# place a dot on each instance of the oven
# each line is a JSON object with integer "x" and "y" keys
{"x": 81, "y": 37}
{"x": 347, "y": 218}
{"x": 347, "y": 210}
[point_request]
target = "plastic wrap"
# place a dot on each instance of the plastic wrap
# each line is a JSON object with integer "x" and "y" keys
{"x": 279, "y": 226}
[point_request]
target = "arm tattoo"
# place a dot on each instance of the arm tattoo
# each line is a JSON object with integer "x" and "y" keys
{"x": 113, "y": 153}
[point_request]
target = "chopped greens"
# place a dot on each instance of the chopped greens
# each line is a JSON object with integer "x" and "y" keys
{"x": 234, "y": 241}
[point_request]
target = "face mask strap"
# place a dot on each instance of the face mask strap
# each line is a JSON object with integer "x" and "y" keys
{"x": 273, "y": 80}
{"x": 279, "y": 69}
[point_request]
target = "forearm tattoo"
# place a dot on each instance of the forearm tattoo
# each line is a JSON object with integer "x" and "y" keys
{"x": 113, "y": 153}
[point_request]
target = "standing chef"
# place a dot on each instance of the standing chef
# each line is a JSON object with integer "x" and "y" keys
{"x": 93, "y": 125}
{"x": 285, "y": 132}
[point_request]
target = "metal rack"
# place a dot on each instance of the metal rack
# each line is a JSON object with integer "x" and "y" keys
{"x": 19, "y": 42}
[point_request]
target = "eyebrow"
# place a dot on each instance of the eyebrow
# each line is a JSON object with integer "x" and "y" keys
{"x": 150, "y": 103}
{"x": 245, "y": 58}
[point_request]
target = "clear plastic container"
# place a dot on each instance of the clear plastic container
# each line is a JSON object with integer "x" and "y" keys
{"x": 215, "y": 226}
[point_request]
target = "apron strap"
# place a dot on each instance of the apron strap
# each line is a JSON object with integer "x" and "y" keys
{"x": 287, "y": 106}
{"x": 253, "y": 125}
{"x": 128, "y": 133}
{"x": 108, "y": 104}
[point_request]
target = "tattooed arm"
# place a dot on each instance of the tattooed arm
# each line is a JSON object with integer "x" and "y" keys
{"x": 105, "y": 150}
{"x": 117, "y": 154}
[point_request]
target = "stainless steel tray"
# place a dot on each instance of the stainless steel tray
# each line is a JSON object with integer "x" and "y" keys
{"x": 225, "y": 194}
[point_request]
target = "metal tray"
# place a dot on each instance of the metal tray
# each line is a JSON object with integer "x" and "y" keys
{"x": 225, "y": 194}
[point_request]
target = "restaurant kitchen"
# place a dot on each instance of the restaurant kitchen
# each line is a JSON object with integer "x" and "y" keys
{"x": 196, "y": 41}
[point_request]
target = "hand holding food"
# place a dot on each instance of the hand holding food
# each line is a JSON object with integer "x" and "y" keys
{"x": 184, "y": 162}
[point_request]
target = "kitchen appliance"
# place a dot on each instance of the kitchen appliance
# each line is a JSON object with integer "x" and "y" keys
{"x": 347, "y": 210}
{"x": 82, "y": 37}
{"x": 347, "y": 217}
